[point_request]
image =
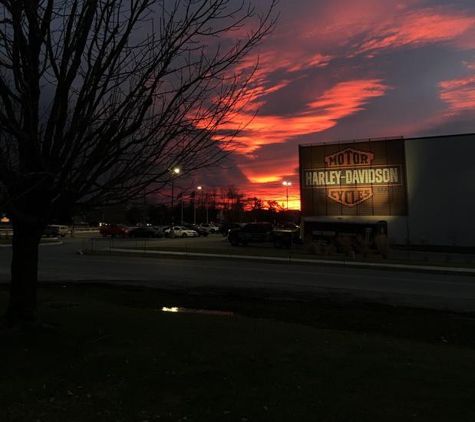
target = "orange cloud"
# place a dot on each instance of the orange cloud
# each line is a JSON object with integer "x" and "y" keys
{"x": 349, "y": 97}
{"x": 342, "y": 100}
{"x": 256, "y": 172}
{"x": 263, "y": 179}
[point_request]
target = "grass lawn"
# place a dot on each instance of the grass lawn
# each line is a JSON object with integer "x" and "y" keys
{"x": 115, "y": 356}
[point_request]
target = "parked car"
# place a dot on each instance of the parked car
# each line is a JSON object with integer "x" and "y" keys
{"x": 145, "y": 232}
{"x": 180, "y": 231}
{"x": 161, "y": 228}
{"x": 114, "y": 230}
{"x": 55, "y": 230}
{"x": 288, "y": 225}
{"x": 210, "y": 228}
{"x": 51, "y": 231}
{"x": 62, "y": 230}
{"x": 197, "y": 229}
{"x": 6, "y": 230}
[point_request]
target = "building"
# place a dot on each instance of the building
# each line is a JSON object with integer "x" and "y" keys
{"x": 423, "y": 187}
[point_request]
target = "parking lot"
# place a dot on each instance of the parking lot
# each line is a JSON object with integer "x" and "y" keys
{"x": 90, "y": 239}
{"x": 218, "y": 243}
{"x": 213, "y": 242}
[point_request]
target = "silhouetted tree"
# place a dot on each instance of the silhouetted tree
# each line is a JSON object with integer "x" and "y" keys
{"x": 254, "y": 208}
{"x": 274, "y": 206}
{"x": 232, "y": 202}
{"x": 99, "y": 99}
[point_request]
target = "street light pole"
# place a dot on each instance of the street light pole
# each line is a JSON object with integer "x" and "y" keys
{"x": 194, "y": 210}
{"x": 200, "y": 188}
{"x": 287, "y": 184}
{"x": 173, "y": 219}
{"x": 175, "y": 172}
{"x": 181, "y": 221}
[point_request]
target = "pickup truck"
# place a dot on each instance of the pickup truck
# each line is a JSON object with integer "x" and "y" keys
{"x": 263, "y": 232}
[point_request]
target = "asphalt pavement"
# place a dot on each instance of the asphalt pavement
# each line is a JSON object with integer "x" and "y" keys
{"x": 395, "y": 282}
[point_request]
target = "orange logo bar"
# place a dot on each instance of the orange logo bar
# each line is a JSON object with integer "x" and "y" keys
{"x": 348, "y": 197}
{"x": 349, "y": 157}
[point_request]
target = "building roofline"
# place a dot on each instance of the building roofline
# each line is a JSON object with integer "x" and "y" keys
{"x": 389, "y": 138}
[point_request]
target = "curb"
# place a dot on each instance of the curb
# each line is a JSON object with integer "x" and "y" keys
{"x": 59, "y": 242}
{"x": 371, "y": 265}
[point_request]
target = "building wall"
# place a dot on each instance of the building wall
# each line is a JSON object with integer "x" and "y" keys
{"x": 441, "y": 190}
{"x": 440, "y": 186}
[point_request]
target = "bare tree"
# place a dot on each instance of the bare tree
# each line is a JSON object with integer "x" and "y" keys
{"x": 99, "y": 99}
{"x": 273, "y": 206}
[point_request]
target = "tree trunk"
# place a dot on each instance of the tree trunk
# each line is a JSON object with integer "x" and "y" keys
{"x": 24, "y": 274}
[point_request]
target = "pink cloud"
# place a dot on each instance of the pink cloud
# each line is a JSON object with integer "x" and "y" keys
{"x": 272, "y": 61}
{"x": 417, "y": 28}
{"x": 343, "y": 28}
{"x": 459, "y": 94}
{"x": 469, "y": 65}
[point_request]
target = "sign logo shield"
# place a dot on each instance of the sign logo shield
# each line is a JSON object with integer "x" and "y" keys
{"x": 350, "y": 197}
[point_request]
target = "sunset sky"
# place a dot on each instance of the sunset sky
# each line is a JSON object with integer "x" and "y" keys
{"x": 343, "y": 70}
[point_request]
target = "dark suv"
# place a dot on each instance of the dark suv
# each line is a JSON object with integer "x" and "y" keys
{"x": 262, "y": 232}
{"x": 224, "y": 228}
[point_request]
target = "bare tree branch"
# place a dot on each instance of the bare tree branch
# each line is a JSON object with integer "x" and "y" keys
{"x": 104, "y": 96}
{"x": 99, "y": 99}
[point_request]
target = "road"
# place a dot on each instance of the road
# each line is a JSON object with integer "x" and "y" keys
{"x": 62, "y": 263}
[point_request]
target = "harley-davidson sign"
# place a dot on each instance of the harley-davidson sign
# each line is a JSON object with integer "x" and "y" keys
{"x": 353, "y": 175}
